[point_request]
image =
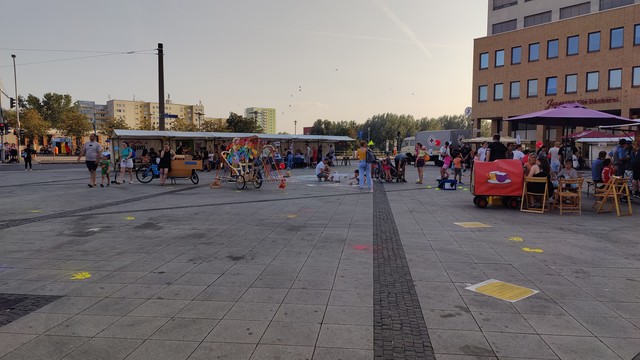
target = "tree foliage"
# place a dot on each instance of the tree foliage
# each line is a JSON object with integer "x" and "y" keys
{"x": 180, "y": 124}
{"x": 146, "y": 124}
{"x": 238, "y": 123}
{"x": 33, "y": 124}
{"x": 75, "y": 124}
{"x": 107, "y": 126}
{"x": 213, "y": 126}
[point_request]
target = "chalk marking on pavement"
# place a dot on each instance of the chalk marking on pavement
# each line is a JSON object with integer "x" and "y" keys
{"x": 129, "y": 218}
{"x": 35, "y": 211}
{"x": 532, "y": 250}
{"x": 471, "y": 225}
{"x": 80, "y": 275}
{"x": 502, "y": 290}
{"x": 515, "y": 238}
{"x": 93, "y": 229}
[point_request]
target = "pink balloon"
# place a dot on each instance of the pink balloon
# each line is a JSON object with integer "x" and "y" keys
{"x": 438, "y": 142}
{"x": 538, "y": 144}
{"x": 281, "y": 166}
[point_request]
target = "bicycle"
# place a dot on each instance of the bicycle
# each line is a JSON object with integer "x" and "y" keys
{"x": 145, "y": 174}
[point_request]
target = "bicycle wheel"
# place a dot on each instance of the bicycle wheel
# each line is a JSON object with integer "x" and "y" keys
{"x": 144, "y": 175}
{"x": 258, "y": 181}
{"x": 241, "y": 183}
{"x": 194, "y": 177}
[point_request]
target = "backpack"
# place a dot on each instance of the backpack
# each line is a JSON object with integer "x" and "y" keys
{"x": 371, "y": 157}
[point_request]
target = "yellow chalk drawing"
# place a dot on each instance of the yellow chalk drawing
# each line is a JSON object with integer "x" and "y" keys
{"x": 429, "y": 187}
{"x": 532, "y": 250}
{"x": 80, "y": 275}
{"x": 291, "y": 216}
{"x": 469, "y": 225}
{"x": 129, "y": 218}
{"x": 502, "y": 290}
{"x": 35, "y": 211}
{"x": 515, "y": 238}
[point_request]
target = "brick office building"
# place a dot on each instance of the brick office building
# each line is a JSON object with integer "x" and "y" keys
{"x": 593, "y": 59}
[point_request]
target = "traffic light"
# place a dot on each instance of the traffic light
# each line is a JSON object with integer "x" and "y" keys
{"x": 22, "y": 132}
{"x": 12, "y": 102}
{"x": 1, "y": 128}
{"x": 7, "y": 129}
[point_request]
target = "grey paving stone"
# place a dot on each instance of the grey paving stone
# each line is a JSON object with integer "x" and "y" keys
{"x": 613, "y": 295}
{"x": 35, "y": 323}
{"x": 46, "y": 347}
{"x": 500, "y": 322}
{"x": 113, "y": 306}
{"x": 626, "y": 310}
{"x": 104, "y": 349}
{"x": 610, "y": 327}
{"x": 443, "y": 302}
{"x": 122, "y": 277}
{"x": 138, "y": 291}
{"x": 226, "y": 351}
{"x": 307, "y": 296}
{"x": 222, "y": 293}
{"x": 159, "y": 308}
{"x": 69, "y": 305}
{"x": 180, "y": 292}
{"x": 625, "y": 348}
{"x": 252, "y": 311}
{"x": 511, "y": 345}
{"x": 197, "y": 279}
{"x": 10, "y": 342}
{"x": 346, "y": 336}
{"x": 342, "y": 354}
{"x": 351, "y": 298}
{"x": 280, "y": 352}
{"x": 289, "y": 333}
{"x": 83, "y": 325}
{"x": 579, "y": 348}
{"x": 460, "y": 342}
{"x": 98, "y": 290}
{"x": 485, "y": 304}
{"x": 131, "y": 327}
{"x": 556, "y": 325}
{"x": 301, "y": 313}
{"x": 185, "y": 329}
{"x": 205, "y": 309}
{"x": 163, "y": 349}
{"x": 264, "y": 295}
{"x": 349, "y": 315}
{"x": 238, "y": 331}
{"x": 235, "y": 281}
{"x": 537, "y": 306}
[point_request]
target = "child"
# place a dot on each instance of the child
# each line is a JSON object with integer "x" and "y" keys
{"x": 607, "y": 170}
{"x": 104, "y": 165}
{"x": 443, "y": 170}
{"x": 356, "y": 178}
{"x": 386, "y": 166}
{"x": 457, "y": 168}
{"x": 568, "y": 172}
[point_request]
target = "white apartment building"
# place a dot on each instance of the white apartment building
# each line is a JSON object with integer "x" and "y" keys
{"x": 508, "y": 15}
{"x": 266, "y": 118}
{"x": 134, "y": 112}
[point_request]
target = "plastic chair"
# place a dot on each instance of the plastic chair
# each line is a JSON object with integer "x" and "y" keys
{"x": 528, "y": 191}
{"x": 568, "y": 197}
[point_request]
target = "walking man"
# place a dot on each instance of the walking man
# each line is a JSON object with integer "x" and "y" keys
{"x": 91, "y": 151}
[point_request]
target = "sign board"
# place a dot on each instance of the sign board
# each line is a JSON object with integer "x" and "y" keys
{"x": 170, "y": 116}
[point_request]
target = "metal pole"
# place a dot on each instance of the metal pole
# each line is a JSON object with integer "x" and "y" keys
{"x": 15, "y": 80}
{"x": 368, "y": 134}
{"x": 2, "y": 132}
{"x": 160, "y": 87}
{"x": 295, "y": 127}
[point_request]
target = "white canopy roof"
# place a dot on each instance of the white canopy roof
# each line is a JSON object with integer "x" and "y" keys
{"x": 156, "y": 134}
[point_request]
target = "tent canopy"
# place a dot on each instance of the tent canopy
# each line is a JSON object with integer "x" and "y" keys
{"x": 503, "y": 139}
{"x": 187, "y": 135}
{"x": 570, "y": 115}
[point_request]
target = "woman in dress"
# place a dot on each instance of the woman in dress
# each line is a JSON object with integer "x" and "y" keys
{"x": 166, "y": 155}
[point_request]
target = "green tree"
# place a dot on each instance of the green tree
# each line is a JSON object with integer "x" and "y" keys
{"x": 213, "y": 126}
{"x": 55, "y": 108}
{"x": 237, "y": 123}
{"x": 33, "y": 124}
{"x": 180, "y": 124}
{"x": 33, "y": 102}
{"x": 107, "y": 126}
{"x": 145, "y": 124}
{"x": 75, "y": 124}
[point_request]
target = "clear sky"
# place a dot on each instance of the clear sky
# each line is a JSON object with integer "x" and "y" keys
{"x": 309, "y": 59}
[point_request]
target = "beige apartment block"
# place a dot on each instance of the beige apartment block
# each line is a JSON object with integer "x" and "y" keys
{"x": 133, "y": 112}
{"x": 592, "y": 59}
{"x": 266, "y": 118}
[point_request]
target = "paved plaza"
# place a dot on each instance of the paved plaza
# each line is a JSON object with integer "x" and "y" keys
{"x": 319, "y": 271}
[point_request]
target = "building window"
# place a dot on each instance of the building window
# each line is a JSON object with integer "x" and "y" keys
{"x": 552, "y": 49}
{"x": 552, "y": 86}
{"x": 617, "y": 38}
{"x": 482, "y": 93}
{"x": 592, "y": 81}
{"x": 537, "y": 19}
{"x": 573, "y": 45}
{"x": 516, "y": 55}
{"x": 571, "y": 84}
{"x": 610, "y": 4}
{"x": 615, "y": 79}
{"x": 575, "y": 10}
{"x": 504, "y": 26}
{"x": 594, "y": 42}
{"x": 636, "y": 36}
{"x": 499, "y": 58}
{"x": 532, "y": 88}
{"x": 514, "y": 91}
{"x": 635, "y": 76}
{"x": 498, "y": 92}
{"x": 534, "y": 52}
{"x": 499, "y": 4}
{"x": 484, "y": 61}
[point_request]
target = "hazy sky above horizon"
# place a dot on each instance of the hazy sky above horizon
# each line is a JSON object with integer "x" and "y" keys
{"x": 322, "y": 59}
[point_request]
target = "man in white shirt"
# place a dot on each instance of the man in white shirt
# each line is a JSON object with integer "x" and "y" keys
{"x": 482, "y": 151}
{"x": 444, "y": 151}
{"x": 307, "y": 156}
{"x": 322, "y": 169}
{"x": 554, "y": 157}
{"x": 517, "y": 153}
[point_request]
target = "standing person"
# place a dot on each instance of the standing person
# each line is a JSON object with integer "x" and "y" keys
{"x": 401, "y": 166}
{"x": 314, "y": 156}
{"x": 104, "y": 166}
{"x": 364, "y": 166}
{"x": 331, "y": 155}
{"x": 307, "y": 156}
{"x": 509, "y": 153}
{"x": 166, "y": 155}
{"x": 496, "y": 150}
{"x": 482, "y": 151}
{"x": 91, "y": 152}
{"x": 420, "y": 156}
{"x": 517, "y": 153}
{"x": 179, "y": 149}
{"x": 620, "y": 157}
{"x": 542, "y": 152}
{"x": 555, "y": 157}
{"x": 597, "y": 166}
{"x": 28, "y": 153}
{"x": 635, "y": 167}
{"x": 457, "y": 168}
{"x": 126, "y": 162}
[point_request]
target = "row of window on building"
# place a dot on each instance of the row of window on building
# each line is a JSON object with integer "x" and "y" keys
{"x": 592, "y": 83}
{"x": 616, "y": 41}
{"x": 545, "y": 17}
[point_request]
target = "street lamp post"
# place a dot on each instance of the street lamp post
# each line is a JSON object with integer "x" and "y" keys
{"x": 15, "y": 81}
{"x": 368, "y": 134}
{"x": 295, "y": 127}
{"x": 199, "y": 118}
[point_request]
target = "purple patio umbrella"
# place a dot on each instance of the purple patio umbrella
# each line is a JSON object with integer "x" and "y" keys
{"x": 571, "y": 115}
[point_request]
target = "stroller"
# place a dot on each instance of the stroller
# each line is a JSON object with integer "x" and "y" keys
{"x": 382, "y": 175}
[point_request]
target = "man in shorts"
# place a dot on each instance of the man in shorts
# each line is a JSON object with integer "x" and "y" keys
{"x": 91, "y": 151}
